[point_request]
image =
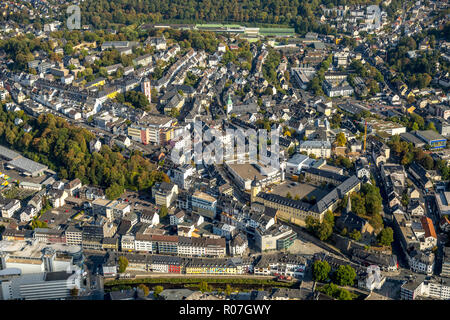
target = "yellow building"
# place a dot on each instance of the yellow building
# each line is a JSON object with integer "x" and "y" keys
{"x": 296, "y": 211}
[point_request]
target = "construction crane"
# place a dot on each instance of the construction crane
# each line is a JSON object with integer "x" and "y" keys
{"x": 365, "y": 136}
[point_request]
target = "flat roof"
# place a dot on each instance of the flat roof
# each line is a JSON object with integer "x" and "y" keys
{"x": 203, "y": 196}
{"x": 246, "y": 171}
{"x": 430, "y": 135}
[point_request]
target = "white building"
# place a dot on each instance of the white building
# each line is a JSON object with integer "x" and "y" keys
{"x": 298, "y": 162}
{"x": 38, "y": 286}
{"x": 321, "y": 149}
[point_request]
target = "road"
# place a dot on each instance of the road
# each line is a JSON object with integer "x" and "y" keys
{"x": 94, "y": 280}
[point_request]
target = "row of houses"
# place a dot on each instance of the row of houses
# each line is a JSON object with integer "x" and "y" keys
{"x": 264, "y": 265}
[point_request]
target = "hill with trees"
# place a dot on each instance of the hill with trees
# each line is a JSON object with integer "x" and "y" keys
{"x": 65, "y": 149}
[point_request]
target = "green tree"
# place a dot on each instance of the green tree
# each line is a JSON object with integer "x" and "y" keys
{"x": 355, "y": 235}
{"x": 228, "y": 290}
{"x": 204, "y": 287}
{"x": 344, "y": 295}
{"x": 321, "y": 269}
{"x": 123, "y": 264}
{"x": 341, "y": 140}
{"x": 163, "y": 212}
{"x": 157, "y": 291}
{"x": 386, "y": 236}
{"x": 329, "y": 217}
{"x": 345, "y": 275}
{"x": 114, "y": 191}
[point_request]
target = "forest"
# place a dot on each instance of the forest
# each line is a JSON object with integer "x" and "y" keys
{"x": 65, "y": 149}
{"x": 297, "y": 13}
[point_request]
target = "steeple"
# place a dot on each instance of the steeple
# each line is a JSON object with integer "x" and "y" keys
{"x": 229, "y": 104}
{"x": 254, "y": 182}
{"x": 349, "y": 205}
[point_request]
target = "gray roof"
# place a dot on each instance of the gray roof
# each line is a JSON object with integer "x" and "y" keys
{"x": 27, "y": 165}
{"x": 8, "y": 153}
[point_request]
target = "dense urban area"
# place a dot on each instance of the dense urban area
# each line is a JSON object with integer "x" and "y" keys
{"x": 95, "y": 207}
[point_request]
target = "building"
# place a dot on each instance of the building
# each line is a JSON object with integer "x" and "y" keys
{"x": 9, "y": 207}
{"x": 413, "y": 288}
{"x": 321, "y": 149}
{"x": 276, "y": 237}
{"x": 296, "y": 211}
{"x": 27, "y": 166}
{"x": 92, "y": 237}
{"x": 38, "y": 286}
{"x": 432, "y": 138}
{"x": 422, "y": 261}
{"x": 177, "y": 218}
{"x": 445, "y": 272}
{"x": 164, "y": 193}
{"x": 149, "y": 217}
{"x": 280, "y": 264}
{"x": 146, "y": 89}
{"x": 238, "y": 245}
{"x": 74, "y": 235}
{"x": 139, "y": 133}
{"x": 204, "y": 204}
{"x": 297, "y": 163}
{"x": 443, "y": 202}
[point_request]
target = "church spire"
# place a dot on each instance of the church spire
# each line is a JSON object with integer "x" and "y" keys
{"x": 349, "y": 205}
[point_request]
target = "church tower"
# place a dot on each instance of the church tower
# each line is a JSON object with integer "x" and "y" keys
{"x": 229, "y": 104}
{"x": 255, "y": 189}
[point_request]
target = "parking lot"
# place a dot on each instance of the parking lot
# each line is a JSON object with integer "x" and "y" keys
{"x": 302, "y": 247}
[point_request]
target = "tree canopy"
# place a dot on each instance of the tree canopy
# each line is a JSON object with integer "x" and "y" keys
{"x": 123, "y": 264}
{"x": 321, "y": 269}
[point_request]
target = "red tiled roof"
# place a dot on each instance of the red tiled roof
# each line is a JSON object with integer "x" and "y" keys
{"x": 428, "y": 226}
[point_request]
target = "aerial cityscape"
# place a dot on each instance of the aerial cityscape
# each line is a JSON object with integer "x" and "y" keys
{"x": 238, "y": 150}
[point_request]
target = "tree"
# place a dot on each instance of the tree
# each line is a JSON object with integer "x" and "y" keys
{"x": 144, "y": 288}
{"x": 386, "y": 236}
{"x": 344, "y": 295}
{"x": 123, "y": 264}
{"x": 288, "y": 195}
{"x": 203, "y": 287}
{"x": 355, "y": 235}
{"x": 321, "y": 269}
{"x": 341, "y": 140}
{"x": 345, "y": 275}
{"x": 157, "y": 291}
{"x": 228, "y": 290}
{"x": 311, "y": 224}
{"x": 324, "y": 231}
{"x": 163, "y": 212}
{"x": 114, "y": 191}
{"x": 329, "y": 217}
{"x": 431, "y": 126}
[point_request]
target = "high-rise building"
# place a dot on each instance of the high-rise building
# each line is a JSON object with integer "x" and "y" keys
{"x": 146, "y": 89}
